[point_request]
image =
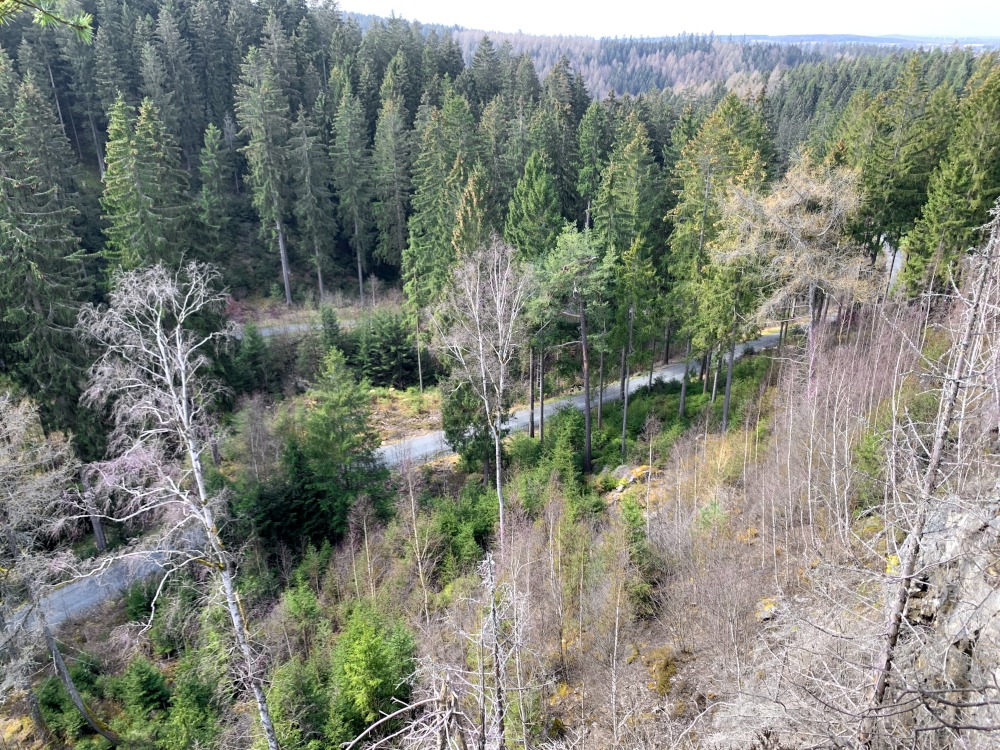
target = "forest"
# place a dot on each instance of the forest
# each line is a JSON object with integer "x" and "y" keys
{"x": 366, "y": 384}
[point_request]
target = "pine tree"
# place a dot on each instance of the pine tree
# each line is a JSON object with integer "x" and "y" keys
{"x": 352, "y": 177}
{"x": 313, "y": 205}
{"x": 262, "y": 111}
{"x": 392, "y": 181}
{"x": 533, "y": 219}
{"x": 144, "y": 191}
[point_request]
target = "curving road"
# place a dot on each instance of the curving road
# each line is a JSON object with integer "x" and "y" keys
{"x": 78, "y": 596}
{"x": 427, "y": 447}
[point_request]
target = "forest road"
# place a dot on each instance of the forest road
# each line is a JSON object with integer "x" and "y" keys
{"x": 423, "y": 448}
{"x": 76, "y": 597}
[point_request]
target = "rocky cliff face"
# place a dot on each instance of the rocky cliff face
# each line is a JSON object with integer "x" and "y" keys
{"x": 950, "y": 660}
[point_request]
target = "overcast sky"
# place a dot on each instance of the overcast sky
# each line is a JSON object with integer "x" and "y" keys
{"x": 950, "y": 18}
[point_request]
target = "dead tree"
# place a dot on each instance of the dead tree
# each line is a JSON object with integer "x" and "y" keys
{"x": 978, "y": 320}
{"x": 35, "y": 473}
{"x": 152, "y": 372}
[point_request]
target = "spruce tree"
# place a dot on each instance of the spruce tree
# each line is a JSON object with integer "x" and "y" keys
{"x": 533, "y": 218}
{"x": 472, "y": 227}
{"x": 41, "y": 283}
{"x": 626, "y": 199}
{"x": 595, "y": 142}
{"x": 961, "y": 191}
{"x": 352, "y": 177}
{"x": 313, "y": 207}
{"x": 392, "y": 181}
{"x": 144, "y": 192}
{"x": 214, "y": 205}
{"x": 262, "y": 112}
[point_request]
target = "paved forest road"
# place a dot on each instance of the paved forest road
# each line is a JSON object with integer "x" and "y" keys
{"x": 78, "y": 596}
{"x": 423, "y": 448}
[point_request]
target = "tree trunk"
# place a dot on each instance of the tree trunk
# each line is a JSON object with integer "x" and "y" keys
{"x": 600, "y": 390}
{"x": 498, "y": 447}
{"x": 74, "y": 695}
{"x": 420, "y": 363}
{"x": 667, "y": 337}
{"x": 928, "y": 486}
{"x": 621, "y": 372}
{"x": 531, "y": 392}
{"x": 97, "y": 146}
{"x": 239, "y": 630}
{"x": 718, "y": 371}
{"x": 652, "y": 362}
{"x": 541, "y": 396}
{"x": 319, "y": 270}
{"x": 99, "y": 538}
{"x": 586, "y": 386}
{"x": 37, "y": 719}
{"x": 684, "y": 379}
{"x": 357, "y": 254}
{"x": 283, "y": 252}
{"x": 498, "y": 687}
{"x": 631, "y": 320}
{"x": 703, "y": 372}
{"x": 729, "y": 381}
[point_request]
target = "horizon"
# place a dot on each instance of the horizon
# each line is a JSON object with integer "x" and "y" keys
{"x": 965, "y": 19}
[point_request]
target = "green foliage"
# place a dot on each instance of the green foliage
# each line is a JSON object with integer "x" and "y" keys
{"x": 465, "y": 428}
{"x": 144, "y": 198}
{"x": 142, "y": 690}
{"x": 300, "y": 704}
{"x": 373, "y": 662}
{"x": 328, "y": 462}
{"x": 466, "y": 525}
{"x": 533, "y": 217}
{"x": 384, "y": 352}
{"x": 253, "y": 365}
{"x": 194, "y": 719}
{"x": 61, "y": 716}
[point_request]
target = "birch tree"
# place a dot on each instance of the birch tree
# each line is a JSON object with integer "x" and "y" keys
{"x": 152, "y": 373}
{"x": 479, "y": 328}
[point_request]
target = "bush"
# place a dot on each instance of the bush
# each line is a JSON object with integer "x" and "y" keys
{"x": 466, "y": 526}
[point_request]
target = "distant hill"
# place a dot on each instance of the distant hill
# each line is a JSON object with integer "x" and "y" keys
{"x": 891, "y": 40}
{"x": 688, "y": 62}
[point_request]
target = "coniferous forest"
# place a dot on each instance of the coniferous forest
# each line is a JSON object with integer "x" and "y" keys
{"x": 366, "y": 384}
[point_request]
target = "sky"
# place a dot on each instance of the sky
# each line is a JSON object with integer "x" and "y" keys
{"x": 599, "y": 18}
